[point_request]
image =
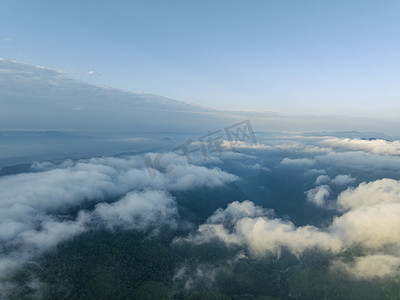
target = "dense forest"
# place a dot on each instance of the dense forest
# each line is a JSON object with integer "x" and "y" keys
{"x": 127, "y": 265}
{"x": 156, "y": 262}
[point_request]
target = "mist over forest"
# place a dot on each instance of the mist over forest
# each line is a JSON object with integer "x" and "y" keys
{"x": 222, "y": 150}
{"x": 227, "y": 211}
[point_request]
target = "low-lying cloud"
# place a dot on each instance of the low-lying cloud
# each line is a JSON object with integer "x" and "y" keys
{"x": 319, "y": 195}
{"x": 108, "y": 192}
{"x": 377, "y": 146}
{"x": 369, "y": 222}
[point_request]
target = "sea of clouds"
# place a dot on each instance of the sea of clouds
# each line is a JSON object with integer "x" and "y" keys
{"x": 55, "y": 202}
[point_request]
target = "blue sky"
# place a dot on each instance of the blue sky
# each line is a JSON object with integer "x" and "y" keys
{"x": 336, "y": 57}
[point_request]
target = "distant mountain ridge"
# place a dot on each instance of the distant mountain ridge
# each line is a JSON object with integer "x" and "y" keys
{"x": 39, "y": 98}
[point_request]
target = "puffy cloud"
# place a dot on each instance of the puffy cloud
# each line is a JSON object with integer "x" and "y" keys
{"x": 321, "y": 179}
{"x": 377, "y": 146}
{"x": 184, "y": 177}
{"x": 31, "y": 241}
{"x": 319, "y": 195}
{"x": 368, "y": 194}
{"x": 371, "y": 227}
{"x": 33, "y": 206}
{"x": 370, "y": 266}
{"x": 52, "y": 232}
{"x": 139, "y": 210}
{"x": 343, "y": 180}
{"x": 370, "y": 223}
{"x": 176, "y": 172}
{"x": 371, "y": 218}
{"x": 238, "y": 210}
{"x": 263, "y": 235}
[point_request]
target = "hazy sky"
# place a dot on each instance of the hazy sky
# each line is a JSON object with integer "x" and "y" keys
{"x": 340, "y": 57}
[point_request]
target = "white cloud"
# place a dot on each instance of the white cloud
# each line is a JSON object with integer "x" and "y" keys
{"x": 377, "y": 146}
{"x": 360, "y": 160}
{"x": 370, "y": 266}
{"x": 368, "y": 194}
{"x": 139, "y": 210}
{"x": 371, "y": 227}
{"x": 261, "y": 234}
{"x": 343, "y": 180}
{"x": 296, "y": 162}
{"x": 32, "y": 205}
{"x": 238, "y": 210}
{"x": 291, "y": 146}
{"x": 52, "y": 232}
{"x": 318, "y": 195}
{"x": 369, "y": 224}
{"x": 321, "y": 179}
{"x": 270, "y": 235}
{"x": 315, "y": 172}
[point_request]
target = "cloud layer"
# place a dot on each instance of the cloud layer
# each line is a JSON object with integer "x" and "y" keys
{"x": 110, "y": 192}
{"x": 369, "y": 222}
{"x": 377, "y": 146}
